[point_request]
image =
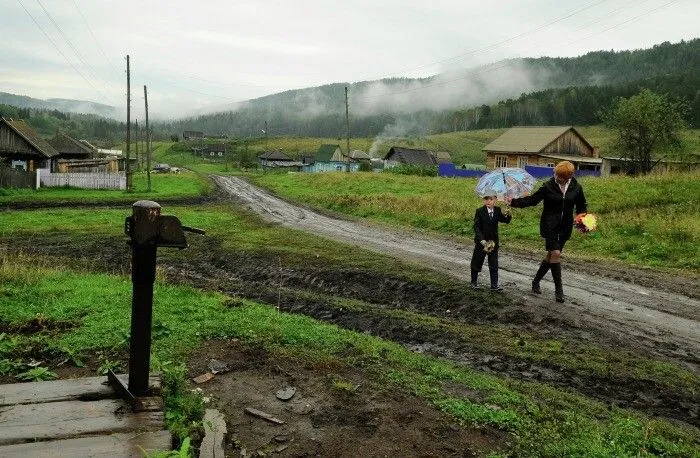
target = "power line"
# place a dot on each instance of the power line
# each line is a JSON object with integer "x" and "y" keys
{"x": 75, "y": 50}
{"x": 87, "y": 24}
{"x": 484, "y": 48}
{"x": 58, "y": 49}
{"x": 506, "y": 63}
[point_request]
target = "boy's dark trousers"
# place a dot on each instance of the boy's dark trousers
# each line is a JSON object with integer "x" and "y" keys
{"x": 478, "y": 261}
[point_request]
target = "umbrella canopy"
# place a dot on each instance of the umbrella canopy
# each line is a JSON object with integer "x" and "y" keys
{"x": 506, "y": 182}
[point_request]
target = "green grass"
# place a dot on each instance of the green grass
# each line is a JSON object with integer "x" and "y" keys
{"x": 646, "y": 221}
{"x": 541, "y": 420}
{"x": 163, "y": 187}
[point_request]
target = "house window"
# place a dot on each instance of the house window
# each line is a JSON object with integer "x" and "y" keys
{"x": 522, "y": 161}
{"x": 501, "y": 161}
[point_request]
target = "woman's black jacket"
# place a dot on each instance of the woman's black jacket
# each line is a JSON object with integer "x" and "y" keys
{"x": 557, "y": 220}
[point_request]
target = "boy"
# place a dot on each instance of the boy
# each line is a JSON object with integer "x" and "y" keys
{"x": 486, "y": 221}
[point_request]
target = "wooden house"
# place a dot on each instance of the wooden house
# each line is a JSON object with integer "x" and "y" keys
{"x": 21, "y": 147}
{"x": 409, "y": 156}
{"x": 278, "y": 160}
{"x": 212, "y": 150}
{"x": 70, "y": 149}
{"x": 541, "y": 146}
{"x": 189, "y": 134}
{"x": 330, "y": 158}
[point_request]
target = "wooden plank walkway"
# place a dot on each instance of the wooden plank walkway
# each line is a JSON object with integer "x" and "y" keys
{"x": 76, "y": 417}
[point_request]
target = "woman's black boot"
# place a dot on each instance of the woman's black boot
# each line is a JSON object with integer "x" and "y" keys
{"x": 558, "y": 288}
{"x": 541, "y": 272}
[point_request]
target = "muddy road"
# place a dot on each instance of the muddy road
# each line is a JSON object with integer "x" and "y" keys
{"x": 647, "y": 311}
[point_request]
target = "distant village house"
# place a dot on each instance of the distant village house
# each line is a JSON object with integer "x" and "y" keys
{"x": 542, "y": 146}
{"x": 398, "y": 155}
{"x": 330, "y": 158}
{"x": 188, "y": 134}
{"x": 278, "y": 160}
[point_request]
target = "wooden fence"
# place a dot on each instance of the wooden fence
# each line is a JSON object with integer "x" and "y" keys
{"x": 84, "y": 180}
{"x": 16, "y": 178}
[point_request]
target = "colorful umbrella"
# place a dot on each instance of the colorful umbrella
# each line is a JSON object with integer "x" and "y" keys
{"x": 506, "y": 182}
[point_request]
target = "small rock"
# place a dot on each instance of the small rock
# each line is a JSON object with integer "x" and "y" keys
{"x": 217, "y": 367}
{"x": 285, "y": 394}
{"x": 281, "y": 439}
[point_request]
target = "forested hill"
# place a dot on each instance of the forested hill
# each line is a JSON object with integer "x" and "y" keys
{"x": 514, "y": 92}
{"x": 543, "y": 90}
{"x": 63, "y": 105}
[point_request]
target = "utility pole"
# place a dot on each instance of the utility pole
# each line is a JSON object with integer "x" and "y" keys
{"x": 148, "y": 143}
{"x": 265, "y": 135}
{"x": 347, "y": 128}
{"x": 128, "y": 126}
{"x": 136, "y": 128}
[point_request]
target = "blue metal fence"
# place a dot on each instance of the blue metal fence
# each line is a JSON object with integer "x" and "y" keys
{"x": 449, "y": 170}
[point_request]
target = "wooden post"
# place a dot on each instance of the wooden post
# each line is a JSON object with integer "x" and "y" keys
{"x": 148, "y": 142}
{"x": 128, "y": 126}
{"x": 136, "y": 127}
{"x": 347, "y": 128}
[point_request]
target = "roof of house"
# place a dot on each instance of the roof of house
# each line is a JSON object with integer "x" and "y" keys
{"x": 571, "y": 158}
{"x": 67, "y": 146}
{"x": 26, "y": 132}
{"x": 285, "y": 163}
{"x": 274, "y": 156}
{"x": 411, "y": 156}
{"x": 326, "y": 152}
{"x": 443, "y": 156}
{"x": 532, "y": 139}
{"x": 359, "y": 154}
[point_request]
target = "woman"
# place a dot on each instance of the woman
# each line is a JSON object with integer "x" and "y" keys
{"x": 560, "y": 194}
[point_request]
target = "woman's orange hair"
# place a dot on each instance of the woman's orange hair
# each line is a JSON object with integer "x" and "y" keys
{"x": 564, "y": 169}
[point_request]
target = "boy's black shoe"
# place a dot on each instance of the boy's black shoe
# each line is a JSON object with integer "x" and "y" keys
{"x": 473, "y": 285}
{"x": 496, "y": 289}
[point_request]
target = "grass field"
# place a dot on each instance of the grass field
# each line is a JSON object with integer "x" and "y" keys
{"x": 163, "y": 187}
{"x": 81, "y": 314}
{"x": 646, "y": 221}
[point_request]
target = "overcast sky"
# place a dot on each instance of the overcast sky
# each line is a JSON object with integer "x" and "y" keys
{"x": 198, "y": 55}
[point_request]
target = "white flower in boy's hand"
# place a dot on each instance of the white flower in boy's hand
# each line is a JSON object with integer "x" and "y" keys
{"x": 483, "y": 243}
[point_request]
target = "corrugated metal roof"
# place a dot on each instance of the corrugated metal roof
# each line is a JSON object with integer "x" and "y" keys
{"x": 527, "y": 139}
{"x": 567, "y": 157}
{"x": 358, "y": 154}
{"x": 325, "y": 153}
{"x": 411, "y": 156}
{"x": 274, "y": 156}
{"x": 68, "y": 146}
{"x": 284, "y": 164}
{"x": 26, "y": 132}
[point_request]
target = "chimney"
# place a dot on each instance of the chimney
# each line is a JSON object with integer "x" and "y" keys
{"x": 596, "y": 151}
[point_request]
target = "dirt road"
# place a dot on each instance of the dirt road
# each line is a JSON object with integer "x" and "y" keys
{"x": 646, "y": 310}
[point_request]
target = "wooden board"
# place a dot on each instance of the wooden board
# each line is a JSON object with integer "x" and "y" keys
{"x": 113, "y": 445}
{"x": 63, "y": 390}
{"x": 64, "y": 419}
{"x": 214, "y": 433}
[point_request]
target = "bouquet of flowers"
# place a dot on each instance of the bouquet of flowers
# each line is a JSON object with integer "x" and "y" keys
{"x": 489, "y": 246}
{"x": 586, "y": 222}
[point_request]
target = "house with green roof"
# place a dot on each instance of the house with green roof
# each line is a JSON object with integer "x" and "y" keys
{"x": 330, "y": 158}
{"x": 542, "y": 146}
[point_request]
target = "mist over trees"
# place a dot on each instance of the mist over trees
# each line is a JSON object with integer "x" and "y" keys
{"x": 542, "y": 91}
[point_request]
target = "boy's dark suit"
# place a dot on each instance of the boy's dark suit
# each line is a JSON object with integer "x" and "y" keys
{"x": 486, "y": 228}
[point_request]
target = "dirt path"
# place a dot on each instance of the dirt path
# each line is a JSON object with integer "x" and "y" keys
{"x": 655, "y": 313}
